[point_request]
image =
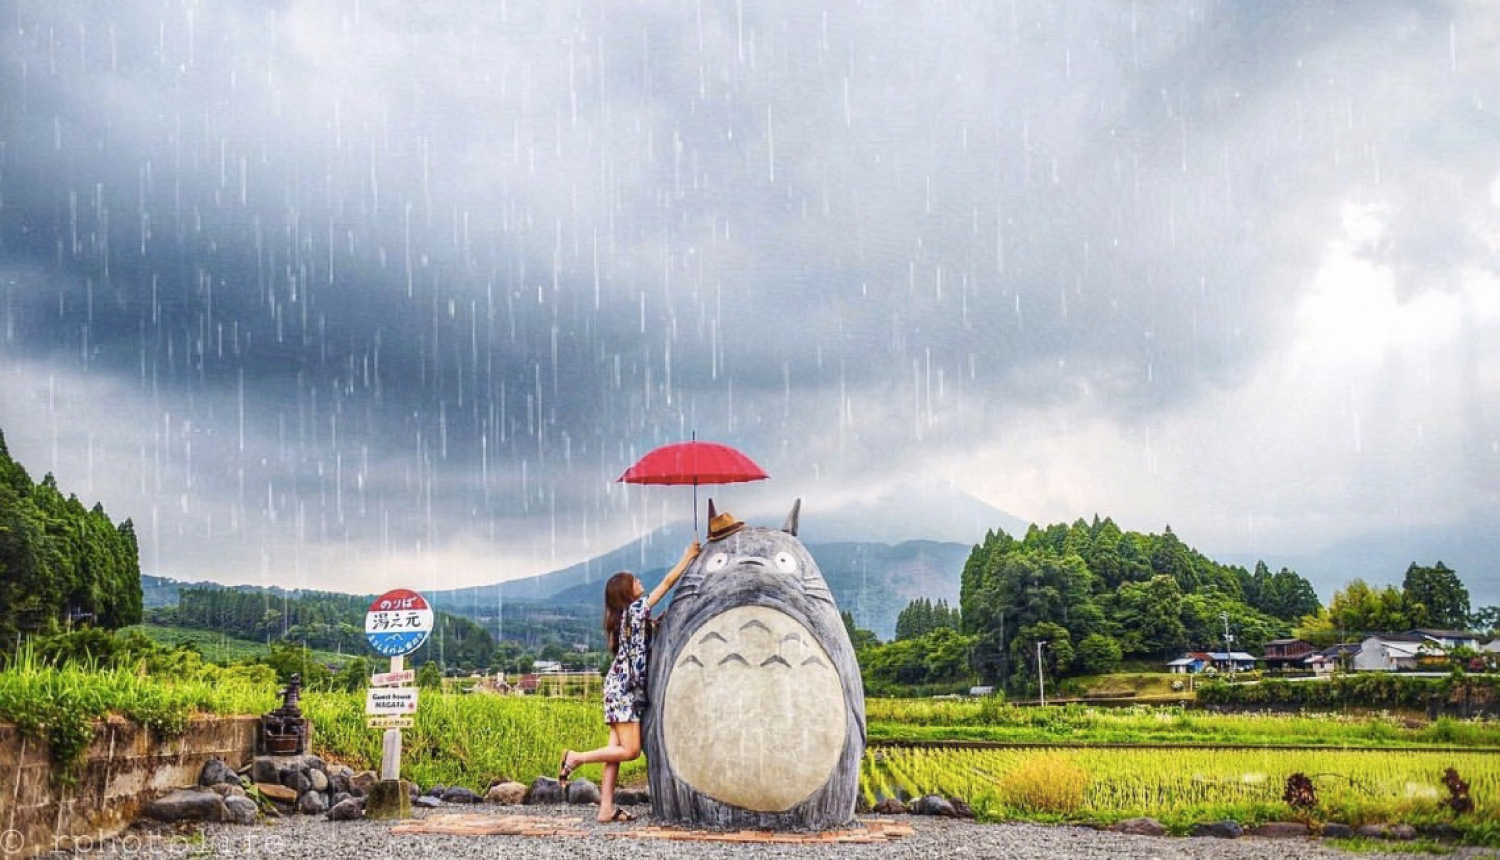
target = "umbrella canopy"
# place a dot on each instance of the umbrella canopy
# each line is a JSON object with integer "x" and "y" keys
{"x": 693, "y": 462}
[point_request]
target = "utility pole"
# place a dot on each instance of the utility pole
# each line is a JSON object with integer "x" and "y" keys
{"x": 1228, "y": 651}
{"x": 1041, "y": 680}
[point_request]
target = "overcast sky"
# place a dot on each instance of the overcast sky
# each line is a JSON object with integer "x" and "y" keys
{"x": 362, "y": 294}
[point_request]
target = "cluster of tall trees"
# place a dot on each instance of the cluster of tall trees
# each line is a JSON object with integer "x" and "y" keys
{"x": 1081, "y": 597}
{"x": 1429, "y": 597}
{"x": 321, "y": 620}
{"x": 61, "y": 563}
{"x": 922, "y": 616}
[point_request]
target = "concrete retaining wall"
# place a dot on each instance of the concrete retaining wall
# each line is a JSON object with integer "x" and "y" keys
{"x": 126, "y": 768}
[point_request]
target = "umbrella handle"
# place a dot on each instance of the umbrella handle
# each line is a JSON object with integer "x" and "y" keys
{"x": 695, "y": 509}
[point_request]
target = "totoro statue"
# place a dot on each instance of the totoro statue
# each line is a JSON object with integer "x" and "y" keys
{"x": 757, "y": 713}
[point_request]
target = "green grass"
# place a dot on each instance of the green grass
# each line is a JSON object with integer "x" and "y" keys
{"x": 993, "y": 720}
{"x": 61, "y": 703}
{"x": 469, "y": 740}
{"x": 218, "y": 648}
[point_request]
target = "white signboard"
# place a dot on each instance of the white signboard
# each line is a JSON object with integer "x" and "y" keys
{"x": 391, "y": 700}
{"x": 389, "y": 721}
{"x": 392, "y": 679}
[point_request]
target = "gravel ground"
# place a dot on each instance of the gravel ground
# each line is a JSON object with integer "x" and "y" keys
{"x": 314, "y": 838}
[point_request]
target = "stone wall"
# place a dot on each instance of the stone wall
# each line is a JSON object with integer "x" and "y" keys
{"x": 126, "y": 768}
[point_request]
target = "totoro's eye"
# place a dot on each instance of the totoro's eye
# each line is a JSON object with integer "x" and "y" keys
{"x": 785, "y": 562}
{"x": 716, "y": 562}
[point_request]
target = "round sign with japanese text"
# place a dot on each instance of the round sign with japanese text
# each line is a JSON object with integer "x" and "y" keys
{"x": 398, "y": 622}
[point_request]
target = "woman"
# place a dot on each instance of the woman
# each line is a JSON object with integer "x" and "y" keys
{"x": 627, "y": 613}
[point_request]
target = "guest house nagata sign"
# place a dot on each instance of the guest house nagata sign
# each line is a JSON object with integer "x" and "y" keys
{"x": 398, "y": 622}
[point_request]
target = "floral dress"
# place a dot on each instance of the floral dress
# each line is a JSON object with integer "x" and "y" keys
{"x": 625, "y": 683}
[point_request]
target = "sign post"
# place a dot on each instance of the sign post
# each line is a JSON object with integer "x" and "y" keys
{"x": 397, "y": 623}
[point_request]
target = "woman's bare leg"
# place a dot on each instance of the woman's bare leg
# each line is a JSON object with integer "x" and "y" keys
{"x": 607, "y": 791}
{"x": 624, "y": 745}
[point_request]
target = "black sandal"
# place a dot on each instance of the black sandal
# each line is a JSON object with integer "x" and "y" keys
{"x": 563, "y": 770}
{"x": 621, "y": 815}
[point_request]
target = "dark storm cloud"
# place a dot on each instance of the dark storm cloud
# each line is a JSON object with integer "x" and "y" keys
{"x": 491, "y": 253}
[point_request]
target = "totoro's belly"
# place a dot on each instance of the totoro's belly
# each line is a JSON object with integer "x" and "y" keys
{"x": 754, "y": 713}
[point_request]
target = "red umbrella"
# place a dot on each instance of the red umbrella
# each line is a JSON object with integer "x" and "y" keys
{"x": 693, "y": 462}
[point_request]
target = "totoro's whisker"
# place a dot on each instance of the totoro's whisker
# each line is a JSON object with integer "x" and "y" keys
{"x": 734, "y": 658}
{"x": 692, "y": 659}
{"x": 813, "y": 661}
{"x": 755, "y": 622}
{"x": 775, "y": 658}
{"x": 711, "y": 636}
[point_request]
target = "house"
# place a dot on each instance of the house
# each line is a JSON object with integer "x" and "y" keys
{"x": 1287, "y": 653}
{"x": 1232, "y": 661}
{"x": 1388, "y": 652}
{"x": 1190, "y": 663}
{"x": 546, "y": 667}
{"x": 1320, "y": 663}
{"x": 1449, "y": 639}
{"x": 1492, "y": 646}
{"x": 1331, "y": 659}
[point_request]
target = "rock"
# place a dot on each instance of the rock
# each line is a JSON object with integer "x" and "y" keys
{"x": 340, "y": 797}
{"x": 226, "y": 790}
{"x": 1441, "y": 832}
{"x": 276, "y": 791}
{"x": 435, "y": 791}
{"x": 544, "y": 789}
{"x": 631, "y": 797}
{"x": 315, "y": 763}
{"x": 1403, "y": 832}
{"x": 359, "y": 783}
{"x": 933, "y": 805}
{"x": 312, "y": 803}
{"x": 264, "y": 769}
{"x": 346, "y": 810}
{"x": 319, "y": 779}
{"x": 427, "y": 801}
{"x": 582, "y": 791}
{"x": 188, "y": 804}
{"x": 1280, "y": 830}
{"x": 1335, "y": 830}
{"x": 242, "y": 810}
{"x": 389, "y": 799}
{"x": 514, "y": 793}
{"x": 459, "y": 794}
{"x": 216, "y": 772}
{"x": 296, "y": 780}
{"x": 1372, "y": 831}
{"x": 1225, "y": 829}
{"x": 890, "y": 806}
{"x": 1140, "y": 827}
{"x": 340, "y": 782}
{"x": 961, "y": 807}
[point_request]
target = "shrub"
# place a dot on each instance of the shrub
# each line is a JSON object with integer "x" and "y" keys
{"x": 1045, "y": 784}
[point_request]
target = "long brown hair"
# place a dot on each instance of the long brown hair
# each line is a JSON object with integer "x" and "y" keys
{"x": 618, "y": 593}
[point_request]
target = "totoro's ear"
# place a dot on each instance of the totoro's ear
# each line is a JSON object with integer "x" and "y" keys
{"x": 791, "y": 519}
{"x": 711, "y": 512}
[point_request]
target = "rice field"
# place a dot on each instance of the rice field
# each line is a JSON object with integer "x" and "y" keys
{"x": 1185, "y": 785}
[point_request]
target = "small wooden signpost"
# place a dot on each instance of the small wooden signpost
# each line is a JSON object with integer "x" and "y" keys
{"x": 397, "y": 623}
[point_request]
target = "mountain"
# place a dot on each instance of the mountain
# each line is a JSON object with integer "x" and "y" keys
{"x": 877, "y": 555}
{"x": 872, "y": 581}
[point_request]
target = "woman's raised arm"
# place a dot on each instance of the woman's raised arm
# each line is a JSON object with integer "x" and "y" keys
{"x": 672, "y": 576}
